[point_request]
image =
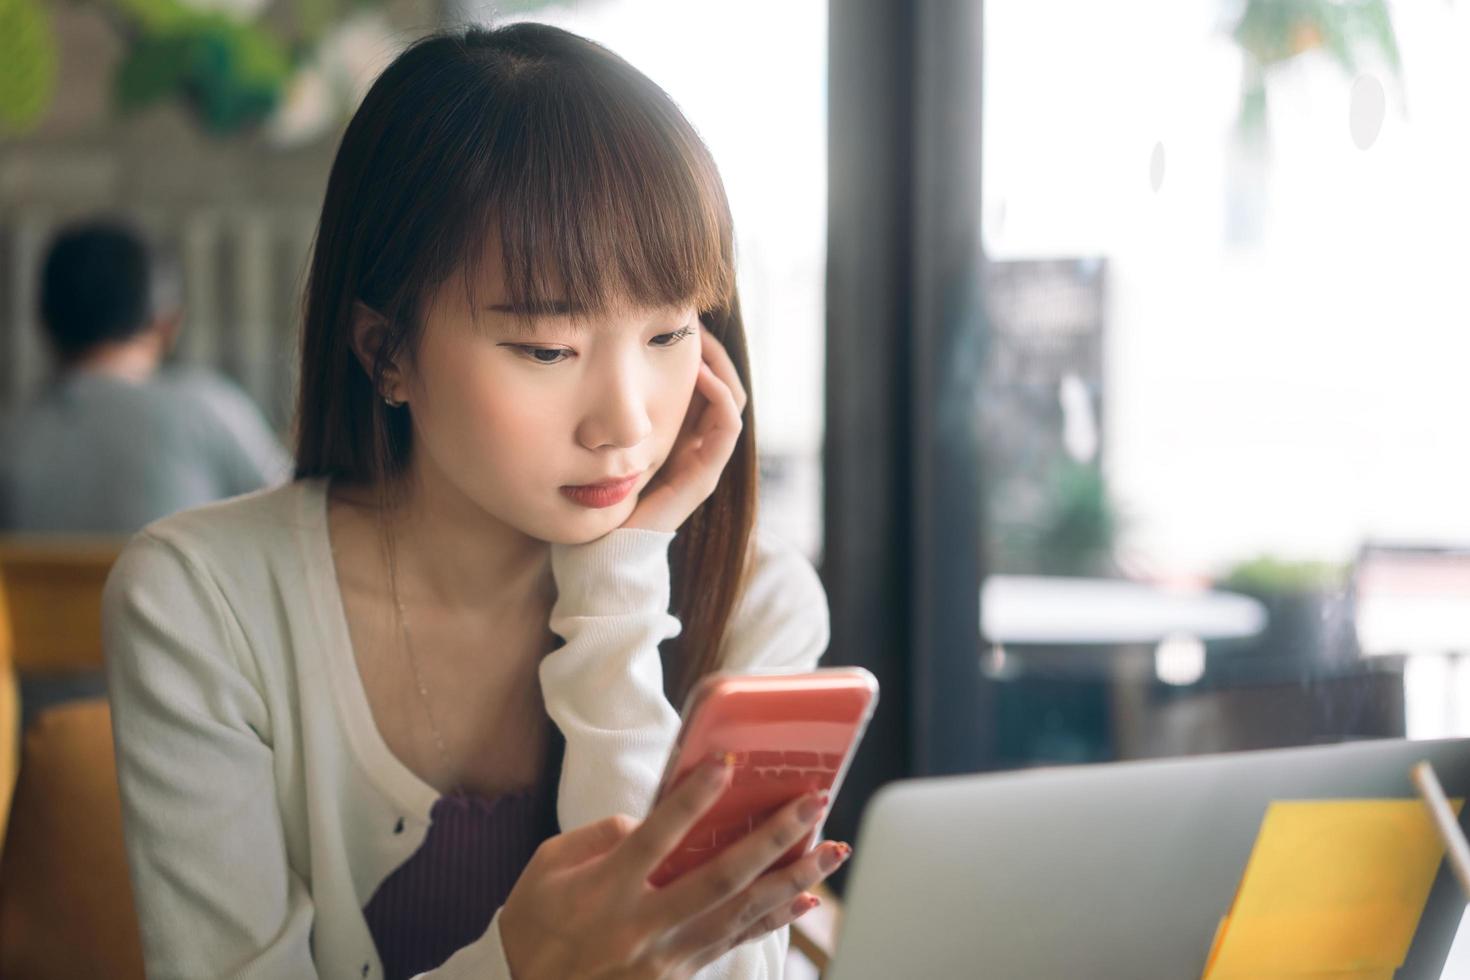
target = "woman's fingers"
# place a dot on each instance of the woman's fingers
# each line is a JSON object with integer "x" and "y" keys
{"x": 732, "y": 870}
{"x": 721, "y": 416}
{"x": 761, "y": 907}
{"x": 700, "y": 455}
{"x": 671, "y": 819}
{"x": 782, "y": 917}
{"x": 718, "y": 359}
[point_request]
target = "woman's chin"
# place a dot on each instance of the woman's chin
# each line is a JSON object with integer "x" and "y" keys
{"x": 590, "y": 523}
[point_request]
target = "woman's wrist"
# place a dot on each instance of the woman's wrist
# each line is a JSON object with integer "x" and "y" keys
{"x": 533, "y": 957}
{"x": 626, "y": 570}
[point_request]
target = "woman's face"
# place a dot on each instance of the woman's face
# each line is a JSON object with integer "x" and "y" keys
{"x": 533, "y": 426}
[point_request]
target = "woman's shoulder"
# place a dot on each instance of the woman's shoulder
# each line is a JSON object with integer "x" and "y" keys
{"x": 235, "y": 539}
{"x": 193, "y": 585}
{"x": 274, "y": 515}
{"x": 781, "y": 619}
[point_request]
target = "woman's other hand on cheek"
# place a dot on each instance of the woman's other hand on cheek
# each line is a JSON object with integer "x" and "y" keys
{"x": 703, "y": 447}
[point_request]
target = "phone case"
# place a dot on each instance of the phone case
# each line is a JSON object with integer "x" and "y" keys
{"x": 785, "y": 735}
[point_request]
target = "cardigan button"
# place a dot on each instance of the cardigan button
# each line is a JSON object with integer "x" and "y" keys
{"x": 399, "y": 828}
{"x": 364, "y": 969}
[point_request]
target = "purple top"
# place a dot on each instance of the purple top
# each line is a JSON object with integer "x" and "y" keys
{"x": 444, "y": 896}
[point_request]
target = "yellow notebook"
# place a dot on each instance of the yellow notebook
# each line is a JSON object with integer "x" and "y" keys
{"x": 1333, "y": 890}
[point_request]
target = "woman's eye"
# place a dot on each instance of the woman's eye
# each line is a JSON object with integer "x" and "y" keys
{"x": 544, "y": 355}
{"x": 670, "y": 339}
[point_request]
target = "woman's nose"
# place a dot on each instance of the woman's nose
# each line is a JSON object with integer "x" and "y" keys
{"x": 616, "y": 415}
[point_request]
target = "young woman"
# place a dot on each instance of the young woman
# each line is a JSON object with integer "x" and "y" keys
{"x": 353, "y": 713}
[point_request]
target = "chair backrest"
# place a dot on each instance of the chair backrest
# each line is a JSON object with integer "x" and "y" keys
{"x": 9, "y": 714}
{"x": 54, "y": 589}
{"x": 66, "y": 906}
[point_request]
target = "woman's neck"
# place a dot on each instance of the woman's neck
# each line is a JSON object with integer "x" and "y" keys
{"x": 451, "y": 553}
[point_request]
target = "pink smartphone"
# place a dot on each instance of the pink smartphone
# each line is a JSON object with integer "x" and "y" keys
{"x": 785, "y": 735}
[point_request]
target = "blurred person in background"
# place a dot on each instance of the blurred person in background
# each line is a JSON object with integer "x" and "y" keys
{"x": 115, "y": 441}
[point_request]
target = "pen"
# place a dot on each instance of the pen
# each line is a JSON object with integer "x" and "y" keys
{"x": 1456, "y": 848}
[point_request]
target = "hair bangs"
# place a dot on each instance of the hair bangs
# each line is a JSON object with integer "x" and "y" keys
{"x": 597, "y": 193}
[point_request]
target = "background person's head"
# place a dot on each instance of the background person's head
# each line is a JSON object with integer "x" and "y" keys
{"x": 526, "y": 168}
{"x": 108, "y": 299}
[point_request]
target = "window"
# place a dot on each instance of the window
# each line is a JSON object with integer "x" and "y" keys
{"x": 1225, "y": 244}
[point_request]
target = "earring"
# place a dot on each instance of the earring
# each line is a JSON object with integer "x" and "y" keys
{"x": 391, "y": 402}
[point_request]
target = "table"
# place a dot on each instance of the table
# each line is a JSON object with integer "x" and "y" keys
{"x": 1123, "y": 631}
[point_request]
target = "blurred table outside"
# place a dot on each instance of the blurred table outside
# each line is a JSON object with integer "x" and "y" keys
{"x": 1124, "y": 633}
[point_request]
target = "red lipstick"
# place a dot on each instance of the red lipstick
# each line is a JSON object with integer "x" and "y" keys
{"x": 601, "y": 494}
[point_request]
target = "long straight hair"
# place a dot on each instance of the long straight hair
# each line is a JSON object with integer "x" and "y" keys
{"x": 599, "y": 192}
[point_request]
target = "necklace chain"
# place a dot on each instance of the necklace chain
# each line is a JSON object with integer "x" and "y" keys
{"x": 418, "y": 677}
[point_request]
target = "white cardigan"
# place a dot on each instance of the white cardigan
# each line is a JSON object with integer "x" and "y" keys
{"x": 262, "y": 807}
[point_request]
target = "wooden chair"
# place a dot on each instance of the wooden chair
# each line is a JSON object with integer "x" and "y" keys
{"x": 54, "y": 588}
{"x": 9, "y": 715}
{"x": 66, "y": 906}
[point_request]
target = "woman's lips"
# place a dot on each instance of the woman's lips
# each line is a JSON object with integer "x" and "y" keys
{"x": 601, "y": 494}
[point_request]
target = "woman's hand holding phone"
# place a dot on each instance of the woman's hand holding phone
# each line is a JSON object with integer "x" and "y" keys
{"x": 703, "y": 447}
{"x": 583, "y": 908}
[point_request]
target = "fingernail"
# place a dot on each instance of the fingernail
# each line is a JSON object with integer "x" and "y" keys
{"x": 812, "y": 807}
{"x": 805, "y": 904}
{"x": 832, "y": 857}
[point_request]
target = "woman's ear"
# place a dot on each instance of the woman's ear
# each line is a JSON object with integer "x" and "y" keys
{"x": 369, "y": 333}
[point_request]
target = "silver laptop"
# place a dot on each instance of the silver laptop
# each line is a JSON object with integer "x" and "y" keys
{"x": 1106, "y": 872}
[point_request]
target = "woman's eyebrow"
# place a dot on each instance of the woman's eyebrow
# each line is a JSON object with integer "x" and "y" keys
{"x": 529, "y": 315}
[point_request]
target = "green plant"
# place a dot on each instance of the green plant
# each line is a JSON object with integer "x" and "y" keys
{"x": 1355, "y": 34}
{"x": 230, "y": 64}
{"x": 1270, "y": 575}
{"x": 1072, "y": 531}
{"x": 229, "y": 72}
{"x": 27, "y": 64}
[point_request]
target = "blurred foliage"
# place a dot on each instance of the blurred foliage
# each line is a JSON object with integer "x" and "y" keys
{"x": 230, "y": 73}
{"x": 1269, "y": 575}
{"x": 230, "y": 69}
{"x": 1355, "y": 34}
{"x": 1072, "y": 534}
{"x": 27, "y": 64}
{"x": 1272, "y": 31}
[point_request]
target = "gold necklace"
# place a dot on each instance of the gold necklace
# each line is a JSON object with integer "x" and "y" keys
{"x": 418, "y": 675}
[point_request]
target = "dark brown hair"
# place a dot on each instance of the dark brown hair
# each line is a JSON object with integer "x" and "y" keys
{"x": 599, "y": 191}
